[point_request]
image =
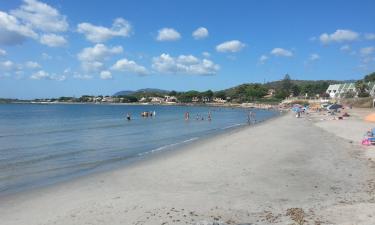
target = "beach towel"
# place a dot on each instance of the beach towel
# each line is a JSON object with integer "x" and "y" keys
{"x": 366, "y": 141}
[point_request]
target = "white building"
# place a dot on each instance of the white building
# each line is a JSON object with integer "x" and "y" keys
{"x": 219, "y": 100}
{"x": 340, "y": 90}
{"x": 170, "y": 99}
{"x": 157, "y": 100}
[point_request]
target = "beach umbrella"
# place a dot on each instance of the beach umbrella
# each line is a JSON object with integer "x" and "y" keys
{"x": 370, "y": 117}
{"x": 296, "y": 109}
{"x": 334, "y": 107}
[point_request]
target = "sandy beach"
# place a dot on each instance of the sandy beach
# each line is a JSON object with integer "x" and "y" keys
{"x": 285, "y": 171}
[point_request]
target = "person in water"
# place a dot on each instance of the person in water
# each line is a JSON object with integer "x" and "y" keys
{"x": 209, "y": 116}
{"x": 251, "y": 118}
{"x": 128, "y": 116}
{"x": 187, "y": 116}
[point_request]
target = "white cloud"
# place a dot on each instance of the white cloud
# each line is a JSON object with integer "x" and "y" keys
{"x": 367, "y": 51}
{"x": 314, "y": 57}
{"x": 370, "y": 36}
{"x": 206, "y": 54}
{"x": 12, "y": 31}
{"x": 82, "y": 76}
{"x": 45, "y": 56}
{"x": 129, "y": 66}
{"x": 99, "y": 52}
{"x": 184, "y": 64}
{"x": 105, "y": 75}
{"x": 53, "y": 40}
{"x": 7, "y": 65}
{"x": 230, "y": 46}
{"x": 43, "y": 75}
{"x": 339, "y": 36}
{"x": 41, "y": 16}
{"x": 345, "y": 48}
{"x": 120, "y": 28}
{"x": 32, "y": 65}
{"x": 92, "y": 66}
{"x": 200, "y": 33}
{"x": 92, "y": 57}
{"x": 31, "y": 20}
{"x": 3, "y": 52}
{"x": 281, "y": 52}
{"x": 168, "y": 34}
{"x": 263, "y": 59}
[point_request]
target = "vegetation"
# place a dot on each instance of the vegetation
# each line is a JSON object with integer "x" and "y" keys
{"x": 271, "y": 92}
{"x": 362, "y": 88}
{"x": 370, "y": 77}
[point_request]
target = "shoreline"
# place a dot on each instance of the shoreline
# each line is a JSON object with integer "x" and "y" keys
{"x": 260, "y": 176}
{"x": 225, "y": 105}
{"x": 133, "y": 161}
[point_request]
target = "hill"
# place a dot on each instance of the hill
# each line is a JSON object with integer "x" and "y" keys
{"x": 141, "y": 91}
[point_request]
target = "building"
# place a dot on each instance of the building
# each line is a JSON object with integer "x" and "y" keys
{"x": 270, "y": 93}
{"x": 170, "y": 99}
{"x": 219, "y": 100}
{"x": 107, "y": 99}
{"x": 157, "y": 100}
{"x": 341, "y": 90}
{"x": 195, "y": 99}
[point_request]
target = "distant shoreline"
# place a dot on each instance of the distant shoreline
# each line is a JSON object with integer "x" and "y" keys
{"x": 233, "y": 105}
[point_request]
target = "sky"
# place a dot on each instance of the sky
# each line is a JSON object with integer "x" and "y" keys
{"x": 51, "y": 48}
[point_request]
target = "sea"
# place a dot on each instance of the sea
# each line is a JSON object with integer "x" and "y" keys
{"x": 43, "y": 144}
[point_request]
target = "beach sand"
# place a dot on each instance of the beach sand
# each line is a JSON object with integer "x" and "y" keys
{"x": 284, "y": 171}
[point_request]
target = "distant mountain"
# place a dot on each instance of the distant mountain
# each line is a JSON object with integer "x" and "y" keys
{"x": 142, "y": 91}
{"x": 123, "y": 93}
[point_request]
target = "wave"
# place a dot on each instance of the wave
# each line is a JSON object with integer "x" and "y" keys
{"x": 165, "y": 147}
{"x": 231, "y": 126}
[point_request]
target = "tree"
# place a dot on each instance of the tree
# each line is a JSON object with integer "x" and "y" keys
{"x": 172, "y": 93}
{"x": 362, "y": 88}
{"x": 296, "y": 90}
{"x": 286, "y": 83}
{"x": 220, "y": 94}
{"x": 281, "y": 94}
{"x": 349, "y": 94}
{"x": 209, "y": 94}
{"x": 255, "y": 91}
{"x": 370, "y": 77}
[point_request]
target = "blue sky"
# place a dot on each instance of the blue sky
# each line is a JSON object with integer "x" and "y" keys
{"x": 56, "y": 48}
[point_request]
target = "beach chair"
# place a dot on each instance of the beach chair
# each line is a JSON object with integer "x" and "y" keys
{"x": 369, "y": 139}
{"x": 372, "y": 138}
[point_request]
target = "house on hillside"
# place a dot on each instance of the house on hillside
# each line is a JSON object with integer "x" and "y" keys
{"x": 170, "y": 99}
{"x": 107, "y": 99}
{"x": 157, "y": 100}
{"x": 143, "y": 99}
{"x": 195, "y": 99}
{"x": 270, "y": 93}
{"x": 205, "y": 99}
{"x": 219, "y": 100}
